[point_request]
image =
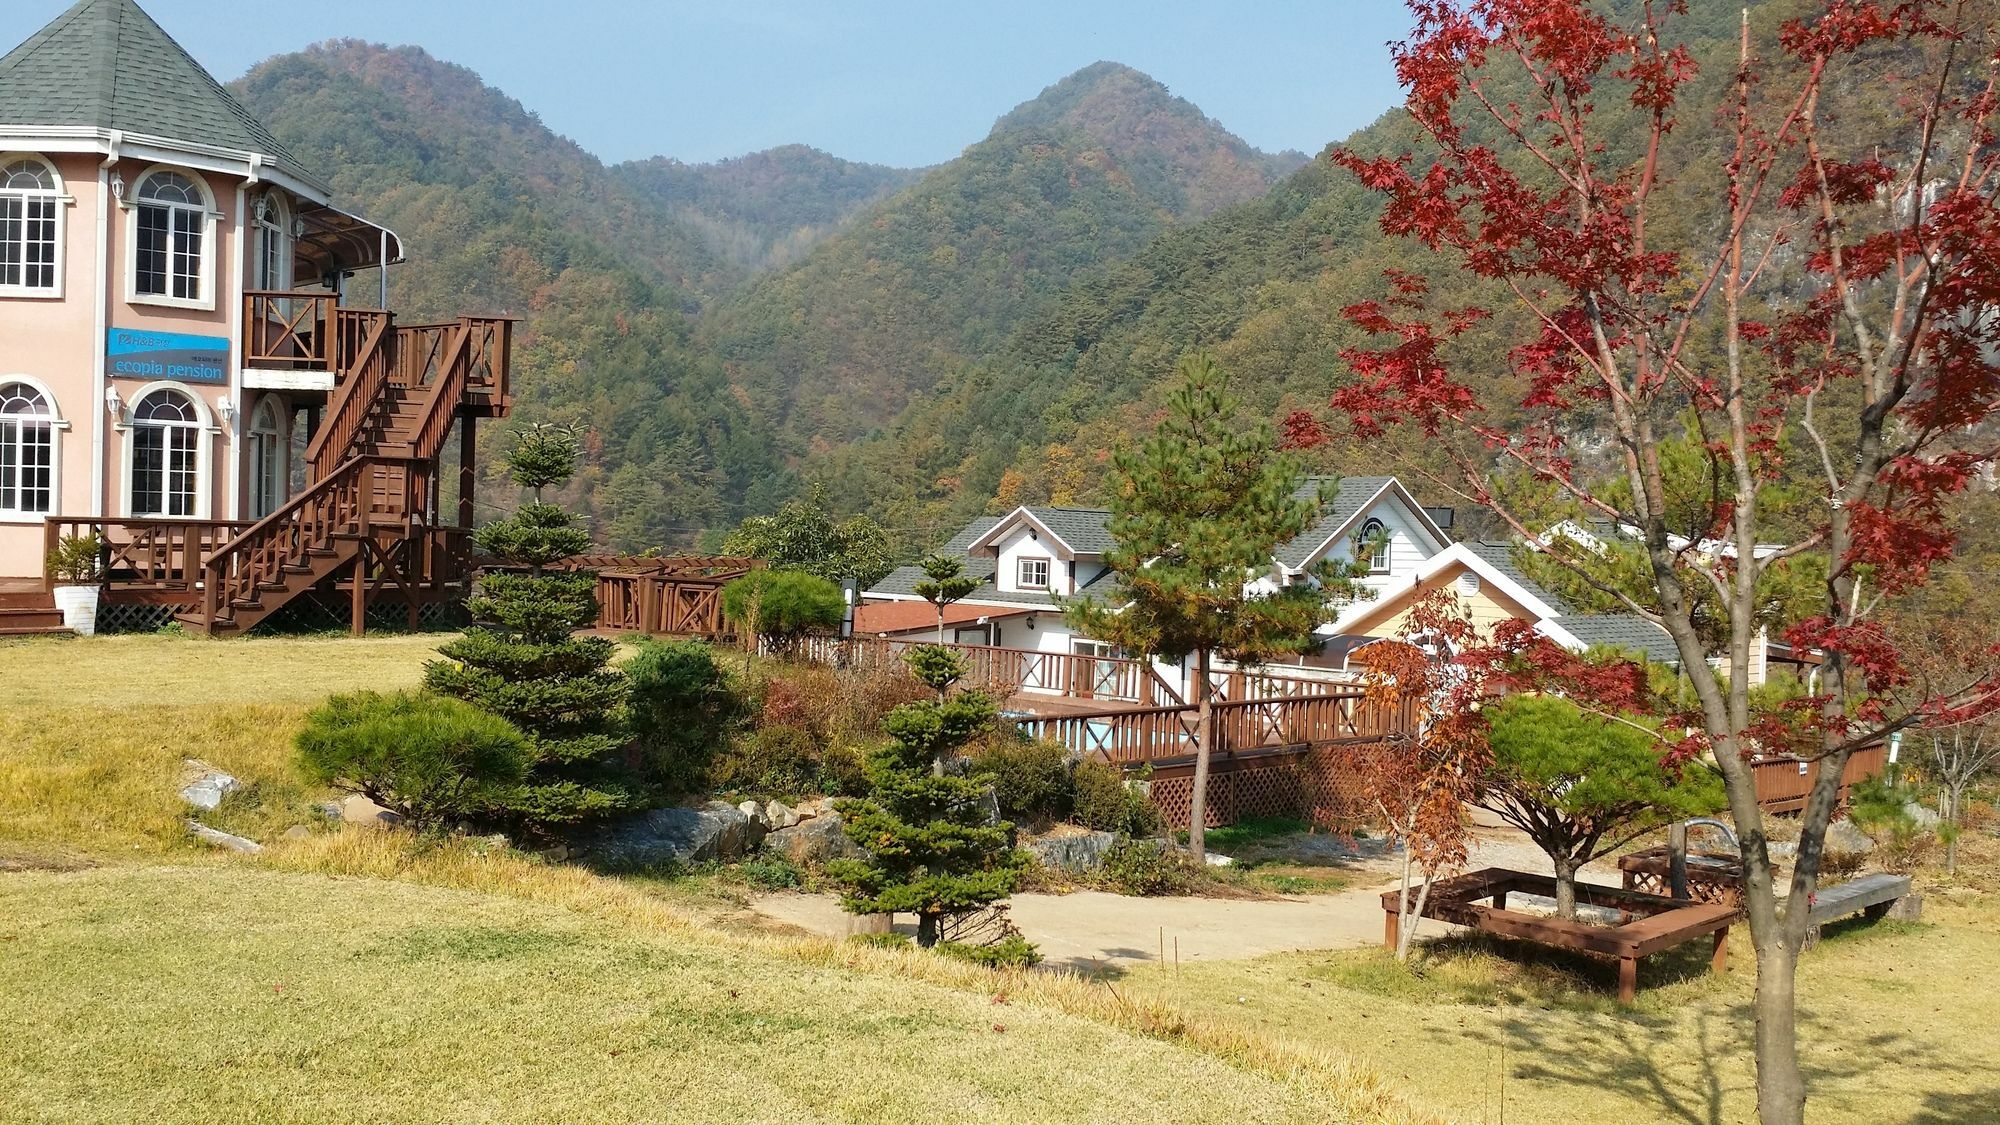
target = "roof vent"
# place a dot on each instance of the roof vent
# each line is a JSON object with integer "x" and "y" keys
{"x": 1468, "y": 583}
{"x": 1443, "y": 517}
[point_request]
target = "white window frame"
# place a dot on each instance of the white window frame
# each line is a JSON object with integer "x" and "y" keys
{"x": 1021, "y": 572}
{"x": 131, "y": 203}
{"x": 269, "y": 457}
{"x": 273, "y": 221}
{"x": 1379, "y": 562}
{"x": 62, "y": 200}
{"x": 56, "y": 427}
{"x": 204, "y": 451}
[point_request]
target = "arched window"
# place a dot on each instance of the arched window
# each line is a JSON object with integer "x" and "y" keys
{"x": 171, "y": 252}
{"x": 166, "y": 445}
{"x": 27, "y": 450}
{"x": 30, "y": 228}
{"x": 268, "y": 439}
{"x": 274, "y": 243}
{"x": 1371, "y": 545}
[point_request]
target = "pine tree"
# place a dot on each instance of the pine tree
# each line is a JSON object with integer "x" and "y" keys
{"x": 524, "y": 662}
{"x": 943, "y": 583}
{"x": 933, "y": 851}
{"x": 1199, "y": 510}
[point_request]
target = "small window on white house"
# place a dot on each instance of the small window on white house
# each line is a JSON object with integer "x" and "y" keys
{"x": 27, "y": 451}
{"x": 1033, "y": 574}
{"x": 1371, "y": 545}
{"x": 30, "y": 229}
{"x": 170, "y": 255}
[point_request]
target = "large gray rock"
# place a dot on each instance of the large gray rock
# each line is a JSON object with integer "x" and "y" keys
{"x": 204, "y": 786}
{"x": 1922, "y": 816}
{"x": 1842, "y": 836}
{"x": 358, "y": 809}
{"x": 1079, "y": 854}
{"x": 810, "y": 843}
{"x": 756, "y": 824}
{"x": 677, "y": 835}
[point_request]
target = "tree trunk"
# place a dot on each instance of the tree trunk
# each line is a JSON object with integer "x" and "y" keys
{"x": 1949, "y": 815}
{"x": 1781, "y": 1088}
{"x": 940, "y": 610}
{"x": 1204, "y": 731}
{"x": 1413, "y": 912}
{"x": 1565, "y": 888}
{"x": 927, "y": 930}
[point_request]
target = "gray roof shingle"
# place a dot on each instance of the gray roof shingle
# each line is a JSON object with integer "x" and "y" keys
{"x": 1501, "y": 557}
{"x": 1084, "y": 529}
{"x": 1624, "y": 632}
{"x": 1346, "y": 501}
{"x": 105, "y": 64}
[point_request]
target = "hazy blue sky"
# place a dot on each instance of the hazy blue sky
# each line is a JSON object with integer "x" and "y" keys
{"x": 898, "y": 81}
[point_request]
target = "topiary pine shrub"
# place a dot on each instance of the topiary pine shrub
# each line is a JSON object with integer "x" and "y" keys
{"x": 682, "y": 710}
{"x": 523, "y": 661}
{"x": 933, "y": 850}
{"x": 780, "y": 606}
{"x": 426, "y": 757}
{"x": 1581, "y": 785}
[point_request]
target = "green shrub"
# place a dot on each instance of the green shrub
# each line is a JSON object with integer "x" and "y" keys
{"x": 781, "y": 604}
{"x": 771, "y": 872}
{"x": 77, "y": 560}
{"x": 424, "y": 756}
{"x": 1104, "y": 802}
{"x": 681, "y": 709}
{"x": 891, "y": 940}
{"x": 1010, "y": 952}
{"x": 783, "y": 761}
{"x": 1880, "y": 807}
{"x": 1149, "y": 868}
{"x": 1031, "y": 780}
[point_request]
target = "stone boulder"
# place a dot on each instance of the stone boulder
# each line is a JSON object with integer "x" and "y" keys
{"x": 779, "y": 815}
{"x": 1923, "y": 816}
{"x": 1842, "y": 836}
{"x": 678, "y": 835}
{"x": 366, "y": 813}
{"x": 222, "y": 839}
{"x": 1078, "y": 854}
{"x": 204, "y": 786}
{"x": 810, "y": 843}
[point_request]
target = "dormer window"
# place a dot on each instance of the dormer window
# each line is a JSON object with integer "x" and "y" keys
{"x": 1032, "y": 574}
{"x": 1371, "y": 545}
{"x": 171, "y": 249}
{"x": 30, "y": 229}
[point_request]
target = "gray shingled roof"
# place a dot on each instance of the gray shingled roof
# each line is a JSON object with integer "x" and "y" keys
{"x": 105, "y": 64}
{"x": 1084, "y": 529}
{"x": 962, "y": 542}
{"x": 1500, "y": 556}
{"x": 1624, "y": 632}
{"x": 1342, "y": 506}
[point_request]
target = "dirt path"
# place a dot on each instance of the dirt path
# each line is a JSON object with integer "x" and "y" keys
{"x": 1090, "y": 929}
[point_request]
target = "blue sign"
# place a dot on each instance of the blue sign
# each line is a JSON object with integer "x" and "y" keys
{"x": 132, "y": 353}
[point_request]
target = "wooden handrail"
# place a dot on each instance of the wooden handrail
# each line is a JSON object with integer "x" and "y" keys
{"x": 341, "y": 502}
{"x": 352, "y": 400}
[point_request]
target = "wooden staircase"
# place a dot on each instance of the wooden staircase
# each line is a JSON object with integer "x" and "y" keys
{"x": 370, "y": 518}
{"x": 29, "y": 613}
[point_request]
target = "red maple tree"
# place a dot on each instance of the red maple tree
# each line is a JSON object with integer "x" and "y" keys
{"x": 1800, "y": 292}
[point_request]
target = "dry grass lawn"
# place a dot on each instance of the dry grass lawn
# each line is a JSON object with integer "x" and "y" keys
{"x": 372, "y": 976}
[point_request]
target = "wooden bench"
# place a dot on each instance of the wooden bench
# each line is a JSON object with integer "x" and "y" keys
{"x": 1874, "y": 896}
{"x": 1478, "y": 900}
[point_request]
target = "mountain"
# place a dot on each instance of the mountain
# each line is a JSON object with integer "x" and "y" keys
{"x": 499, "y": 214}
{"x": 764, "y": 210}
{"x": 935, "y": 278}
{"x": 1262, "y": 283}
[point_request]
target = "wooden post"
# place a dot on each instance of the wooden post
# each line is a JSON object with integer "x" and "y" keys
{"x": 1628, "y": 979}
{"x": 1718, "y": 958}
{"x": 467, "y": 478}
{"x": 358, "y": 600}
{"x": 1391, "y": 929}
{"x": 1677, "y": 860}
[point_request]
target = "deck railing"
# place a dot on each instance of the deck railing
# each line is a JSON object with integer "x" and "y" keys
{"x": 1149, "y": 734}
{"x": 290, "y": 330}
{"x": 1784, "y": 782}
{"x": 139, "y": 554}
{"x": 1005, "y": 671}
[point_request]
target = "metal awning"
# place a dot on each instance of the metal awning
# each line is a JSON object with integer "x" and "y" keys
{"x": 336, "y": 241}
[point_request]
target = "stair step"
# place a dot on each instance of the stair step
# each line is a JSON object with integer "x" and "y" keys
{"x": 34, "y": 630}
{"x": 246, "y": 603}
{"x": 23, "y": 617}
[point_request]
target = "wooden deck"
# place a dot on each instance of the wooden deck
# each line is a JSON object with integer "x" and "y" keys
{"x": 1478, "y": 900}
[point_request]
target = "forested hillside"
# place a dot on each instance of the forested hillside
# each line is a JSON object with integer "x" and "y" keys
{"x": 499, "y": 214}
{"x": 765, "y": 210}
{"x": 943, "y": 274}
{"x": 1262, "y": 283}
